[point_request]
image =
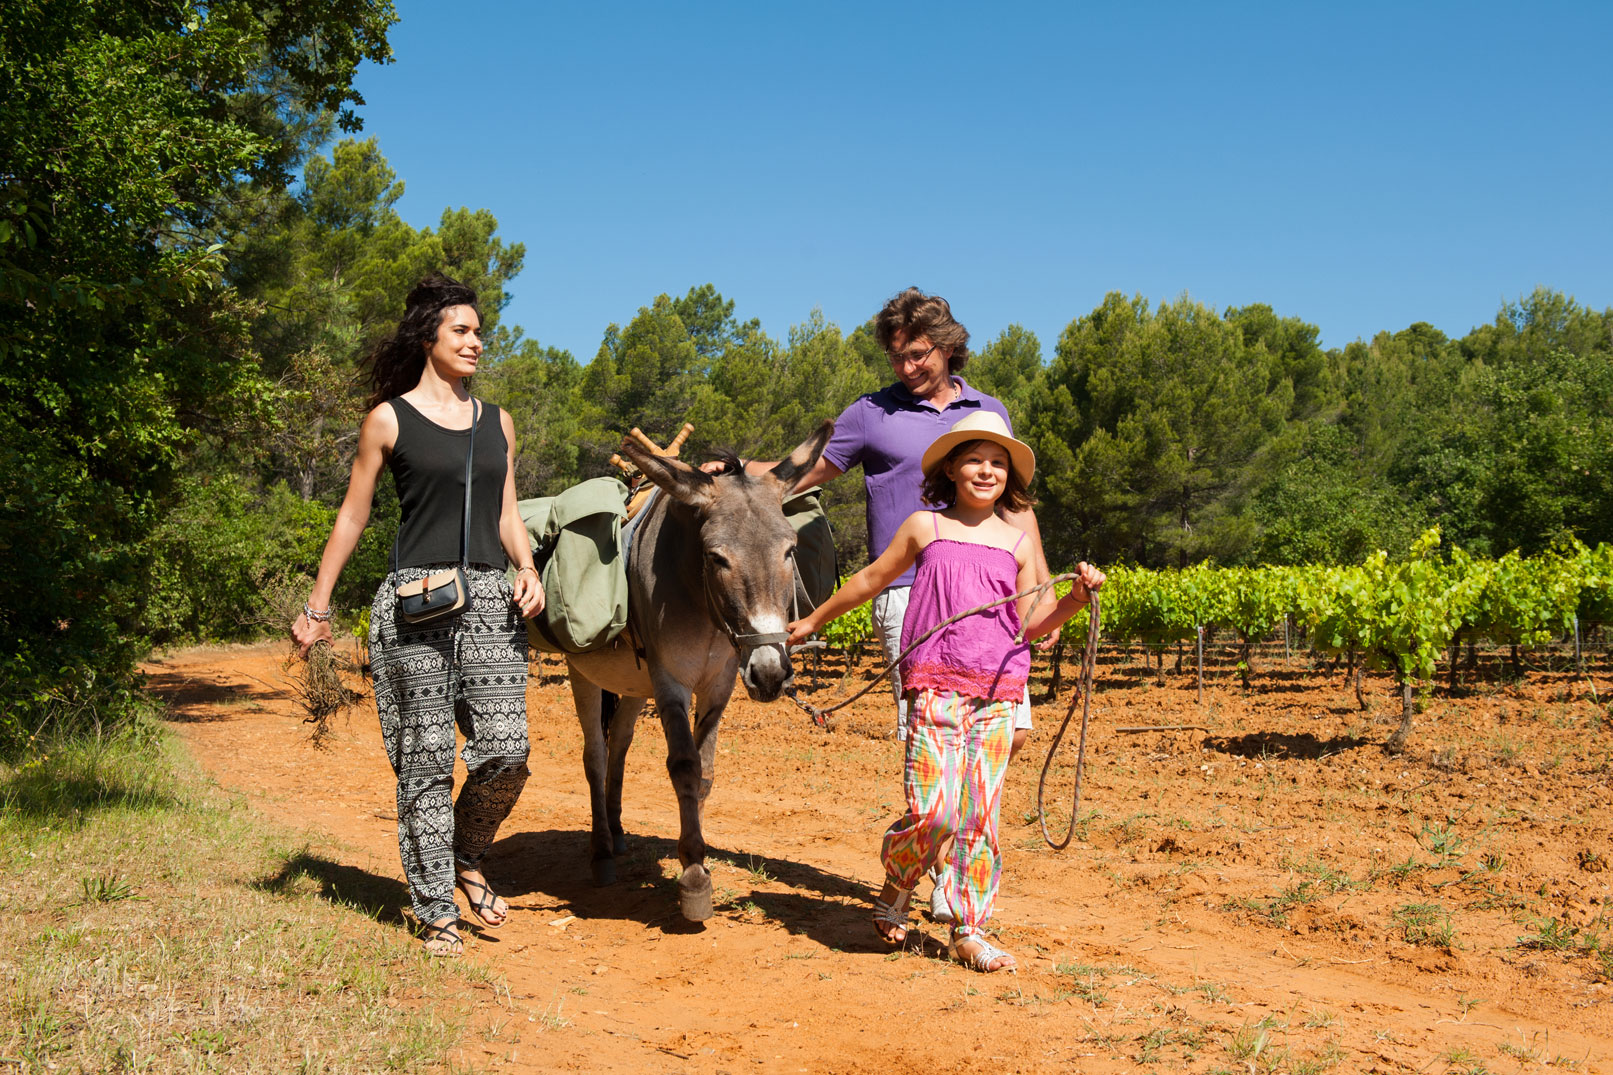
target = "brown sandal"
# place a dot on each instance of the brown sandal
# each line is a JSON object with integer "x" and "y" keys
{"x": 484, "y": 905}
{"x": 443, "y": 941}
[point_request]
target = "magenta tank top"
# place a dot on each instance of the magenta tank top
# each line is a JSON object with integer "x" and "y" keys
{"x": 976, "y": 656}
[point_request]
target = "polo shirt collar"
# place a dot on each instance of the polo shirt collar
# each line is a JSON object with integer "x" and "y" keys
{"x": 967, "y": 397}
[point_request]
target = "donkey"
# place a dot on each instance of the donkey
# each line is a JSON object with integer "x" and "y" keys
{"x": 710, "y": 582}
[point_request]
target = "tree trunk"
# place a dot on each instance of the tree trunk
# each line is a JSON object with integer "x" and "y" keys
{"x": 1360, "y": 699}
{"x": 1397, "y": 741}
{"x": 1456, "y": 651}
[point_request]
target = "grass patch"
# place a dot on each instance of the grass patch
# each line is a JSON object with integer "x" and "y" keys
{"x": 1425, "y": 924}
{"x": 150, "y": 922}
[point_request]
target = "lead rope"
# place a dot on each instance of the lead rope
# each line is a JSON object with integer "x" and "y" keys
{"x": 1084, "y": 696}
{"x": 820, "y": 717}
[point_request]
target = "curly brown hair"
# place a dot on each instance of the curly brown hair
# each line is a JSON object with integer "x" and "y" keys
{"x": 396, "y": 363}
{"x": 916, "y": 314}
{"x": 942, "y": 490}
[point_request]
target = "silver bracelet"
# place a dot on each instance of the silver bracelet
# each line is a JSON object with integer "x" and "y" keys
{"x": 316, "y": 616}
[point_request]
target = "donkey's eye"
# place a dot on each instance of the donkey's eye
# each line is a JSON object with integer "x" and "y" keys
{"x": 718, "y": 559}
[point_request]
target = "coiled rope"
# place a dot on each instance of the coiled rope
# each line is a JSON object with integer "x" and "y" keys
{"x": 1083, "y": 694}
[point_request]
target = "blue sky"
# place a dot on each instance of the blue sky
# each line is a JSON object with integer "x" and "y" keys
{"x": 1361, "y": 166}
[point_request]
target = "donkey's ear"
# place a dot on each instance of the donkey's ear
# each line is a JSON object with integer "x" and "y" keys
{"x": 682, "y": 482}
{"x": 804, "y": 458}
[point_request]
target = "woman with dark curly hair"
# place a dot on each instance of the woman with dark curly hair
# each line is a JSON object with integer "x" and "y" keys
{"x": 471, "y": 667}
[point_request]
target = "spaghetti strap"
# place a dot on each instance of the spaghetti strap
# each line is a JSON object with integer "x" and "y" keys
{"x": 935, "y": 520}
{"x": 1017, "y": 541}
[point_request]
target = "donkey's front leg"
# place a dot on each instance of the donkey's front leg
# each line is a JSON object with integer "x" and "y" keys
{"x": 708, "y": 715}
{"x": 683, "y": 766}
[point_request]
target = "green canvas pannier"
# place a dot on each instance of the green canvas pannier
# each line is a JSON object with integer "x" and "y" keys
{"x": 575, "y": 545}
{"x": 815, "y": 557}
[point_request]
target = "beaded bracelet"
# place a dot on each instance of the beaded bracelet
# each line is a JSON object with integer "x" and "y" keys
{"x": 316, "y": 616}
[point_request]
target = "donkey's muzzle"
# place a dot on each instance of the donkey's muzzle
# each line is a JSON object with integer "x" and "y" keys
{"x": 766, "y": 672}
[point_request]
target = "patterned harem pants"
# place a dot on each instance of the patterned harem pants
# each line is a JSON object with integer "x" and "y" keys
{"x": 957, "y": 756}
{"x": 470, "y": 670}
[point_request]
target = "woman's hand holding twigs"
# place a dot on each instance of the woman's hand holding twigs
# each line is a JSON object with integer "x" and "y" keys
{"x": 305, "y": 632}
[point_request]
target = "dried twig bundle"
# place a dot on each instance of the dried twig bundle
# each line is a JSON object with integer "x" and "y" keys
{"x": 324, "y": 695}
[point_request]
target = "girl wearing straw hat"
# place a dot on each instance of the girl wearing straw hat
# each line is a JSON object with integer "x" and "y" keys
{"x": 963, "y": 683}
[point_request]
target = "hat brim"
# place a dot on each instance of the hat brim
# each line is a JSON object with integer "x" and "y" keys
{"x": 1020, "y": 456}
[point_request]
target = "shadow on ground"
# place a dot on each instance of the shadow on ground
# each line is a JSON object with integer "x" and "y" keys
{"x": 1277, "y": 745}
{"x": 382, "y": 898}
{"x": 827, "y": 907}
{"x": 193, "y": 701}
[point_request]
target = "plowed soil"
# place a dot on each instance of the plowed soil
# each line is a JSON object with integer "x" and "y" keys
{"x": 1268, "y": 891}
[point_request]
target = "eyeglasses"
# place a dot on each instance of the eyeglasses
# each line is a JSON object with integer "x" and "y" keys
{"x": 913, "y": 356}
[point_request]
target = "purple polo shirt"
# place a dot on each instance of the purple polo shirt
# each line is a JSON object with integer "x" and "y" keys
{"x": 886, "y": 432}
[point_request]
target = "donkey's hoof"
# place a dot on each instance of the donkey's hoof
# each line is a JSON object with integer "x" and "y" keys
{"x": 604, "y": 871}
{"x": 618, "y": 844}
{"x": 694, "y": 893}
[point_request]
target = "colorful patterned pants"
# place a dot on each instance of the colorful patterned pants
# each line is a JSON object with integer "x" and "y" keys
{"x": 470, "y": 671}
{"x": 957, "y": 755}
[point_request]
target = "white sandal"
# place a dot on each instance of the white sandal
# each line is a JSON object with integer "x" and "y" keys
{"x": 892, "y": 915}
{"x": 940, "y": 910}
{"x": 982, "y": 958}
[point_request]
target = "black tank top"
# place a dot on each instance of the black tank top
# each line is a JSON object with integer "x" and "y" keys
{"x": 428, "y": 467}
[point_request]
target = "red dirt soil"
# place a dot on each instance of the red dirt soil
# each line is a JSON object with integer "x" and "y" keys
{"x": 1273, "y": 893}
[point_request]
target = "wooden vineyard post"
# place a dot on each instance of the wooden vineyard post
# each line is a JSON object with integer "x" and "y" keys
{"x": 1200, "y": 631}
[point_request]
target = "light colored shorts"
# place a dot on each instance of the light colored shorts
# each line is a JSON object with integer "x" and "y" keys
{"x": 889, "y": 609}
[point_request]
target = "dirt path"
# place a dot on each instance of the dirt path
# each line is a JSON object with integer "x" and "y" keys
{"x": 1272, "y": 894}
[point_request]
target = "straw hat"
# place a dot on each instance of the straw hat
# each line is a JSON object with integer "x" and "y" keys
{"x": 982, "y": 425}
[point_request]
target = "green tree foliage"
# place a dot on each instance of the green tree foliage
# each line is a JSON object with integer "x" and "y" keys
{"x": 1321, "y": 506}
{"x": 1150, "y": 428}
{"x": 1287, "y": 347}
{"x": 1523, "y": 456}
{"x": 329, "y": 266}
{"x": 541, "y": 388}
{"x": 126, "y": 127}
{"x": 1009, "y": 367}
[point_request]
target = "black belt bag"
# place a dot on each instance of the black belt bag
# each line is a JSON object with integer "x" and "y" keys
{"x": 442, "y": 595}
